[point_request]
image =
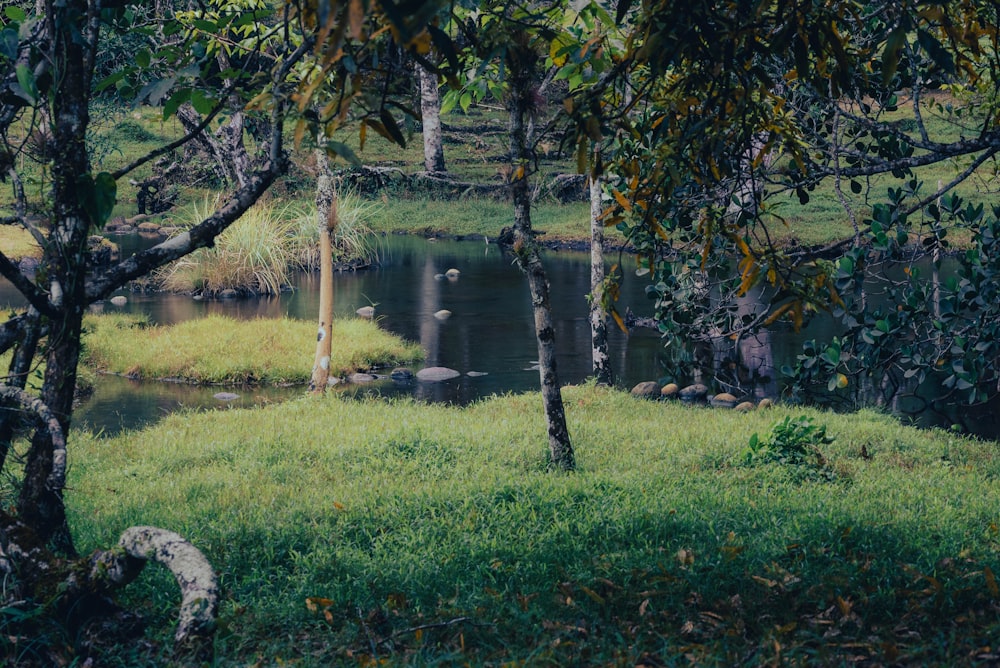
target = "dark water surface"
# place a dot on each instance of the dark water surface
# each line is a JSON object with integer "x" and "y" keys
{"x": 490, "y": 331}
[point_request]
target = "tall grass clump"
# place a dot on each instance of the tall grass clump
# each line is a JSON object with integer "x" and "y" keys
{"x": 354, "y": 242}
{"x": 253, "y": 256}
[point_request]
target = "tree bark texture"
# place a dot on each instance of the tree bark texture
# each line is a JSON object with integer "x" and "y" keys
{"x": 522, "y": 61}
{"x": 430, "y": 114}
{"x": 326, "y": 214}
{"x": 598, "y": 314}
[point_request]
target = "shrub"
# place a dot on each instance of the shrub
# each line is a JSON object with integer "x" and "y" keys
{"x": 793, "y": 441}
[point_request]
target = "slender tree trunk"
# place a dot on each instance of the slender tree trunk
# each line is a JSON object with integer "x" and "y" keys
{"x": 326, "y": 213}
{"x": 598, "y": 314}
{"x": 522, "y": 67}
{"x": 430, "y": 113}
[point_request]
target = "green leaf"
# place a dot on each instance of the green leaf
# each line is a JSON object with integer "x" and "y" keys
{"x": 855, "y": 187}
{"x": 111, "y": 80}
{"x": 344, "y": 151}
{"x": 201, "y": 102}
{"x": 390, "y": 125}
{"x": 105, "y": 196}
{"x": 9, "y": 43}
{"x": 15, "y": 13}
{"x": 205, "y": 26}
{"x": 97, "y": 196}
{"x": 938, "y": 53}
{"x": 174, "y": 101}
{"x": 142, "y": 58}
{"x": 26, "y": 80}
{"x": 890, "y": 57}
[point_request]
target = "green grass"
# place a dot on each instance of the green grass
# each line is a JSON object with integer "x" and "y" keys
{"x": 17, "y": 243}
{"x": 220, "y": 350}
{"x": 482, "y": 217}
{"x": 663, "y": 548}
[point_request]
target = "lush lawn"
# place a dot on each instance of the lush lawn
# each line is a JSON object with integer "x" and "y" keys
{"x": 216, "y": 349}
{"x": 347, "y": 530}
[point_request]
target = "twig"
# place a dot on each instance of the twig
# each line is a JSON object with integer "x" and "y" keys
{"x": 425, "y": 627}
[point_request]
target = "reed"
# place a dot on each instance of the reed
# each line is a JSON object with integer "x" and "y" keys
{"x": 253, "y": 256}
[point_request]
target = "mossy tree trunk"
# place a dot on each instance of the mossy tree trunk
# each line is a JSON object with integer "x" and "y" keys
{"x": 430, "y": 115}
{"x": 598, "y": 314}
{"x": 522, "y": 63}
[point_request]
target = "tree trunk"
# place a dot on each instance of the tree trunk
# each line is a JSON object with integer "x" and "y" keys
{"x": 522, "y": 66}
{"x": 326, "y": 214}
{"x": 40, "y": 503}
{"x": 430, "y": 113}
{"x": 598, "y": 314}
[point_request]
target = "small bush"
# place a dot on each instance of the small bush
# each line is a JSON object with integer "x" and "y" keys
{"x": 792, "y": 442}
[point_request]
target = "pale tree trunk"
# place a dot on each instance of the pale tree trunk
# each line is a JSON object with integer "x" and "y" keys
{"x": 430, "y": 113}
{"x": 326, "y": 214}
{"x": 522, "y": 66}
{"x": 598, "y": 314}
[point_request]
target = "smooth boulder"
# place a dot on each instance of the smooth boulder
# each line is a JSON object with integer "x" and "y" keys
{"x": 437, "y": 374}
{"x": 696, "y": 392}
{"x": 648, "y": 389}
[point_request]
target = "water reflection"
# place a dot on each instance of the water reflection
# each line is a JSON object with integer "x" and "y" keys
{"x": 489, "y": 331}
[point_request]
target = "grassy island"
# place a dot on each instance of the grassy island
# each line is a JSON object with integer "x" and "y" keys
{"x": 220, "y": 350}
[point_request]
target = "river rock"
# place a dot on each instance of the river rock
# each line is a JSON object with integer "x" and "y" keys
{"x": 744, "y": 407}
{"x": 669, "y": 390}
{"x": 366, "y": 312}
{"x": 359, "y": 378}
{"x": 443, "y": 314}
{"x": 436, "y": 374}
{"x": 766, "y": 403}
{"x": 225, "y": 396}
{"x": 476, "y": 374}
{"x": 724, "y": 400}
{"x": 119, "y": 300}
{"x": 696, "y": 392}
{"x": 332, "y": 380}
{"x": 401, "y": 374}
{"x": 438, "y": 277}
{"x": 149, "y": 228}
{"x": 452, "y": 273}
{"x": 648, "y": 389}
{"x": 228, "y": 293}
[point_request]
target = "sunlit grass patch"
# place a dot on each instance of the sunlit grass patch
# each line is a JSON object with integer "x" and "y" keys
{"x": 217, "y": 349}
{"x": 16, "y": 243}
{"x": 663, "y": 545}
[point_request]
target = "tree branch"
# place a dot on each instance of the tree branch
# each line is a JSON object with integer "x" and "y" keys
{"x": 31, "y": 292}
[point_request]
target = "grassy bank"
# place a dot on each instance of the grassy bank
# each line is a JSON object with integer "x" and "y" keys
{"x": 216, "y": 349}
{"x": 559, "y": 222}
{"x": 347, "y": 531}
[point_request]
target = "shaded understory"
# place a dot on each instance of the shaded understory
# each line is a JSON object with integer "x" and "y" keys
{"x": 345, "y": 531}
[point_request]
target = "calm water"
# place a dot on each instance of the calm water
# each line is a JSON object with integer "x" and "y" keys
{"x": 490, "y": 331}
